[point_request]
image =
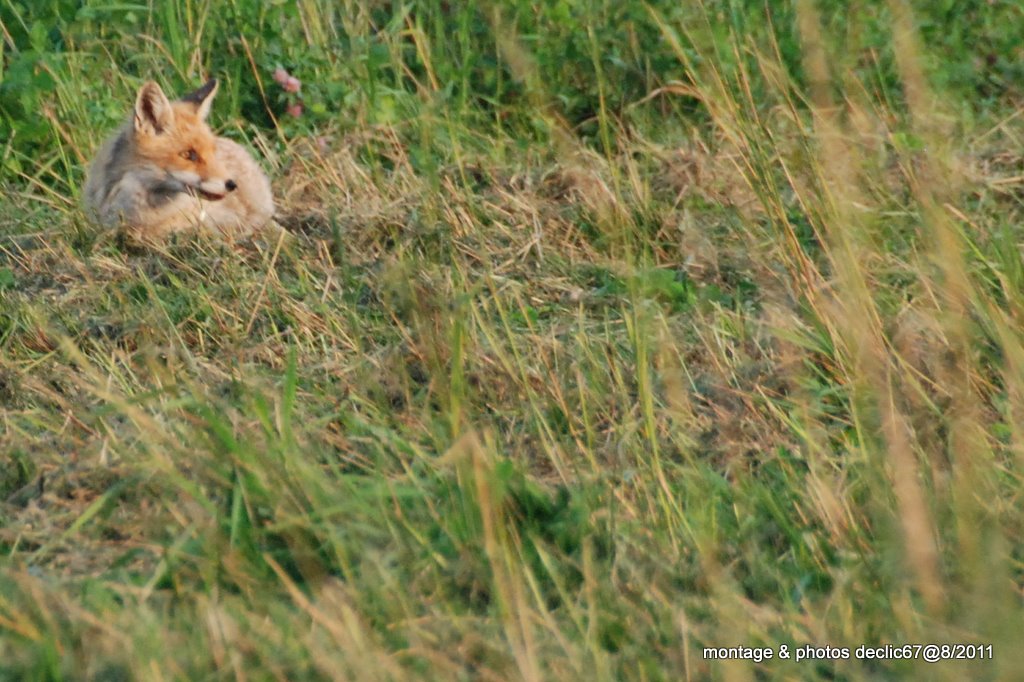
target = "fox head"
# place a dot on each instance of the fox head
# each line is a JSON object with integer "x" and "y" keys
{"x": 174, "y": 137}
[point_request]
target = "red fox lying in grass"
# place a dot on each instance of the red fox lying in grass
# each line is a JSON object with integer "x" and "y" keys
{"x": 165, "y": 171}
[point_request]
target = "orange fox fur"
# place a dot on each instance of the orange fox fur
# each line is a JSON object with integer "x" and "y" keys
{"x": 165, "y": 171}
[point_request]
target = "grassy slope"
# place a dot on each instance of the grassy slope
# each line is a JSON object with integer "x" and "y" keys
{"x": 622, "y": 334}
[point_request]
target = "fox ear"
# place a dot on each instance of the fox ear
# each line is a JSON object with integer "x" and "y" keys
{"x": 202, "y": 98}
{"x": 153, "y": 113}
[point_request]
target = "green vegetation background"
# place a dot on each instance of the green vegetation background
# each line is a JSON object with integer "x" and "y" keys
{"x": 609, "y": 331}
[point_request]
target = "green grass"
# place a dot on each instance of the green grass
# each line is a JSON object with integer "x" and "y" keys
{"x": 609, "y": 331}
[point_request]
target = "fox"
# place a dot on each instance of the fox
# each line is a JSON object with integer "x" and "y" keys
{"x": 164, "y": 171}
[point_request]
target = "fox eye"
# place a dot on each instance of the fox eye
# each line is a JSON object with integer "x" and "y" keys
{"x": 190, "y": 155}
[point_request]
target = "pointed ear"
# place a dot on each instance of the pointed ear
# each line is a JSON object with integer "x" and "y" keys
{"x": 153, "y": 113}
{"x": 202, "y": 98}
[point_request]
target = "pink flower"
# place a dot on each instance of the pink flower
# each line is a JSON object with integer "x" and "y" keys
{"x": 292, "y": 84}
{"x": 294, "y": 110}
{"x": 281, "y": 76}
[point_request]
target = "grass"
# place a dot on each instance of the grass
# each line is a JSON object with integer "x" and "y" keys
{"x": 608, "y": 332}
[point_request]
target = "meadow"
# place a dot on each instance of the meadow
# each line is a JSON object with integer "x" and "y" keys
{"x": 604, "y": 332}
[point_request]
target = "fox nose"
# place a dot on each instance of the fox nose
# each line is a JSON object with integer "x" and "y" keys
{"x": 230, "y": 185}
